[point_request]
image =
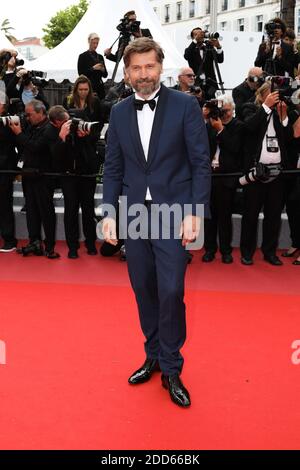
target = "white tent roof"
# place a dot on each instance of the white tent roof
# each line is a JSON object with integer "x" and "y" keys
{"x": 6, "y": 44}
{"x": 102, "y": 17}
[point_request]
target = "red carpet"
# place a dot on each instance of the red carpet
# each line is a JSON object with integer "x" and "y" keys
{"x": 72, "y": 338}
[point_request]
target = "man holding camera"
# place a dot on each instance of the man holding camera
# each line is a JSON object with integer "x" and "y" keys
{"x": 35, "y": 157}
{"x": 274, "y": 55}
{"x": 267, "y": 131}
{"x": 74, "y": 152}
{"x": 129, "y": 31}
{"x": 202, "y": 55}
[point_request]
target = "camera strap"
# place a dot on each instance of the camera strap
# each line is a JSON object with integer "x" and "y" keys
{"x": 272, "y": 144}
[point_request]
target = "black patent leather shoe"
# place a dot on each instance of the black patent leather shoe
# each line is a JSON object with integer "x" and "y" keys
{"x": 178, "y": 393}
{"x": 73, "y": 254}
{"x": 208, "y": 257}
{"x": 227, "y": 258}
{"x": 145, "y": 372}
{"x": 290, "y": 254}
{"x": 273, "y": 259}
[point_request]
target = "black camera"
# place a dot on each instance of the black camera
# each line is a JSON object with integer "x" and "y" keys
{"x": 195, "y": 90}
{"x": 262, "y": 173}
{"x": 208, "y": 35}
{"x": 128, "y": 27}
{"x": 255, "y": 79}
{"x": 270, "y": 28}
{"x": 36, "y": 77}
{"x": 215, "y": 109}
{"x": 285, "y": 87}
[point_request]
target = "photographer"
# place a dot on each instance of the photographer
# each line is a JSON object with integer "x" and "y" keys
{"x": 245, "y": 92}
{"x": 290, "y": 39}
{"x": 274, "y": 55}
{"x": 268, "y": 130}
{"x": 116, "y": 94}
{"x": 201, "y": 55}
{"x": 74, "y": 152}
{"x": 8, "y": 161}
{"x": 225, "y": 133}
{"x": 35, "y": 157}
{"x": 92, "y": 65}
{"x": 129, "y": 31}
{"x": 82, "y": 98}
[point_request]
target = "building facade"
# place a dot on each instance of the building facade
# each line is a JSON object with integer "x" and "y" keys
{"x": 221, "y": 15}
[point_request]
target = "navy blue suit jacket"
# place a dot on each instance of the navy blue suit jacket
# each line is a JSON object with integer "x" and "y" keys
{"x": 178, "y": 166}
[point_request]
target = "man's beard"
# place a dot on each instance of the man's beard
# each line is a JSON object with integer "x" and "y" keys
{"x": 146, "y": 87}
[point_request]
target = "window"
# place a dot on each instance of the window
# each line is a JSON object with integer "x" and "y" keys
{"x": 241, "y": 3}
{"x": 192, "y": 9}
{"x": 167, "y": 13}
{"x": 223, "y": 25}
{"x": 179, "y": 11}
{"x": 224, "y": 5}
{"x": 260, "y": 1}
{"x": 207, "y": 10}
{"x": 259, "y": 23}
{"x": 241, "y": 24}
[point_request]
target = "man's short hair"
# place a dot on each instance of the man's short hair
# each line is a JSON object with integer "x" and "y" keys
{"x": 38, "y": 106}
{"x": 195, "y": 29}
{"x": 93, "y": 36}
{"x": 129, "y": 13}
{"x": 290, "y": 33}
{"x": 141, "y": 46}
{"x": 57, "y": 113}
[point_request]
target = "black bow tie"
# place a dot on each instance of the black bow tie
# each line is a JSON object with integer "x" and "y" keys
{"x": 139, "y": 104}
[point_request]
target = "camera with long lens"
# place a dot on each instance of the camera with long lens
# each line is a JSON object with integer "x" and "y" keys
{"x": 216, "y": 110}
{"x": 128, "y": 27}
{"x": 287, "y": 88}
{"x": 262, "y": 173}
{"x": 208, "y": 35}
{"x": 83, "y": 126}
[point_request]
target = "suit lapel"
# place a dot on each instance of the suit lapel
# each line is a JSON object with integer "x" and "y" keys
{"x": 157, "y": 124}
{"x": 135, "y": 135}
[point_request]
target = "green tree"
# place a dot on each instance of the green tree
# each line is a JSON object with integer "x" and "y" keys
{"x": 6, "y": 28}
{"x": 63, "y": 23}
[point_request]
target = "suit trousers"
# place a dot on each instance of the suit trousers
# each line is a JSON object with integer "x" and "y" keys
{"x": 79, "y": 192}
{"x": 221, "y": 205}
{"x": 268, "y": 196}
{"x": 292, "y": 202}
{"x": 38, "y": 192}
{"x": 157, "y": 270}
{"x": 7, "y": 220}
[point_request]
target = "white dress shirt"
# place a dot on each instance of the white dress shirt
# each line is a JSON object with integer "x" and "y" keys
{"x": 145, "y": 118}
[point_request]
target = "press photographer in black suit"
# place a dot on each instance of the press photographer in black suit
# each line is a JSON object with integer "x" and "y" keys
{"x": 35, "y": 157}
{"x": 274, "y": 55}
{"x": 225, "y": 134}
{"x": 74, "y": 152}
{"x": 130, "y": 30}
{"x": 201, "y": 54}
{"x": 92, "y": 65}
{"x": 268, "y": 130}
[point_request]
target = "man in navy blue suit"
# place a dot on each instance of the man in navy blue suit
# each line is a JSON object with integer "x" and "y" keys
{"x": 157, "y": 153}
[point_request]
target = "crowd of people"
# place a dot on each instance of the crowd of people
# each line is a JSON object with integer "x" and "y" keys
{"x": 254, "y": 131}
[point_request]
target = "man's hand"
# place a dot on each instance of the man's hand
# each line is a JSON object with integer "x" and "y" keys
{"x": 81, "y": 134}
{"x": 98, "y": 67}
{"x": 281, "y": 108}
{"x": 190, "y": 229}
{"x": 272, "y": 99}
{"x": 65, "y": 130}
{"x": 215, "y": 43}
{"x": 217, "y": 124}
{"x": 109, "y": 231}
{"x": 16, "y": 127}
{"x": 107, "y": 51}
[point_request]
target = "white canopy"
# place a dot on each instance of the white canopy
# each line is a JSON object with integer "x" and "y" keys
{"x": 102, "y": 17}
